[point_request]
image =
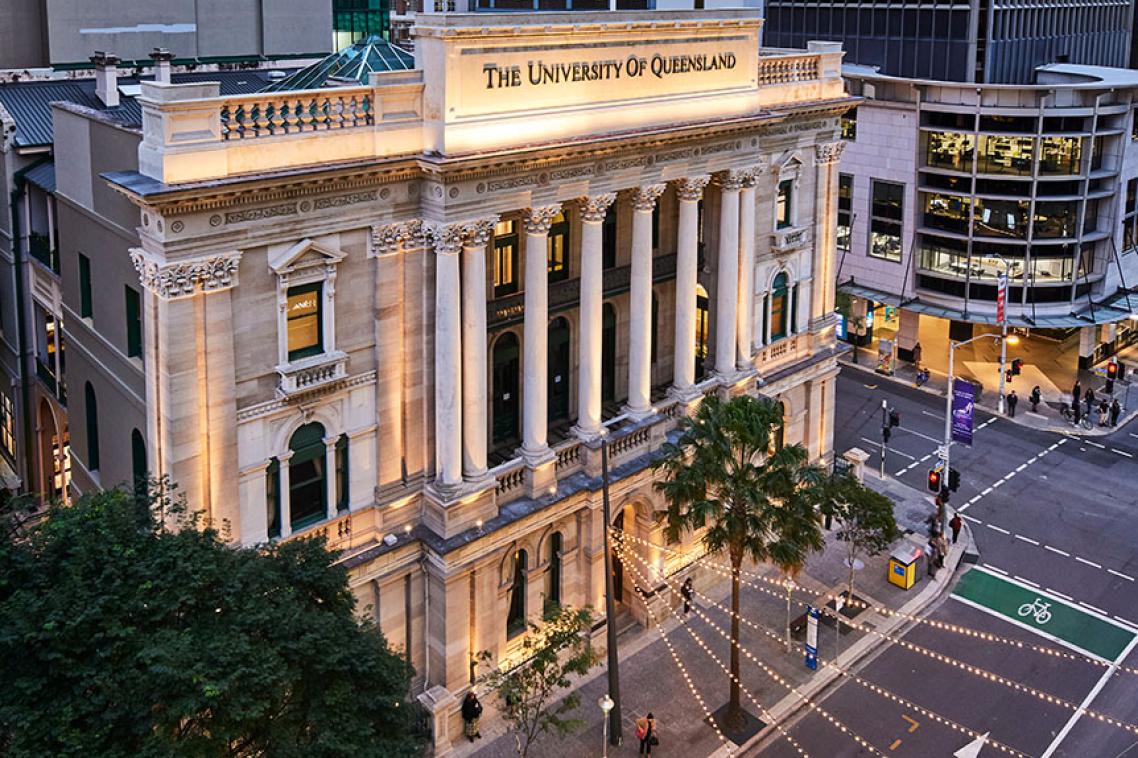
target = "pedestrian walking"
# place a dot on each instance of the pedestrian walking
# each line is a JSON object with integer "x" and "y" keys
{"x": 1035, "y": 398}
{"x": 941, "y": 551}
{"x": 933, "y": 557}
{"x": 1103, "y": 411}
{"x": 1077, "y": 409}
{"x": 471, "y": 712}
{"x": 646, "y": 733}
{"x": 955, "y": 526}
{"x": 917, "y": 355}
{"x": 1115, "y": 412}
{"x": 686, "y": 591}
{"x": 1012, "y": 400}
{"x": 1089, "y": 399}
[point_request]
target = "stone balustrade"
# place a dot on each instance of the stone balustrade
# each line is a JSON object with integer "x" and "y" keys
{"x": 271, "y": 114}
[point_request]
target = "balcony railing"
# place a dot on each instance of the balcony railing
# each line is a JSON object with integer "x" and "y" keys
{"x": 312, "y": 373}
{"x": 253, "y": 116}
{"x": 788, "y": 69}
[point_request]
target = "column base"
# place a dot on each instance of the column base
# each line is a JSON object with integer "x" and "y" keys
{"x": 449, "y": 511}
{"x": 638, "y": 414}
{"x": 586, "y": 434}
{"x": 737, "y": 383}
{"x": 688, "y": 398}
{"x": 541, "y": 473}
{"x": 440, "y": 704}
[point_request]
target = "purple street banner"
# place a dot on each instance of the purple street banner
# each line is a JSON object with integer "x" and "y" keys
{"x": 963, "y": 397}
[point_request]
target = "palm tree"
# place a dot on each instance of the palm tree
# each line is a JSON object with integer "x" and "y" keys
{"x": 752, "y": 502}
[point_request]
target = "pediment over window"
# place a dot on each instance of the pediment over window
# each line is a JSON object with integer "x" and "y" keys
{"x": 789, "y": 163}
{"x": 306, "y": 255}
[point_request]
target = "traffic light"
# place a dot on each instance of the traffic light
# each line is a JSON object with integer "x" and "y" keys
{"x": 1017, "y": 366}
{"x": 894, "y": 417}
{"x": 953, "y": 479}
{"x": 1112, "y": 370}
{"x": 934, "y": 480}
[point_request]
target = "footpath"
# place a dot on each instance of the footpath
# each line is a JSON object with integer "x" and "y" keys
{"x": 655, "y": 678}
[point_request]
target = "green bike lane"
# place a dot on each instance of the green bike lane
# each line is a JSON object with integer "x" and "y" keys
{"x": 1045, "y": 614}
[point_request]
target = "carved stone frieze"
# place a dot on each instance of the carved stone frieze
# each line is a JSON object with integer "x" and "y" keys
{"x": 185, "y": 278}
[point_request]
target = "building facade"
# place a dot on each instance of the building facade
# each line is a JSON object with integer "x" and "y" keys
{"x": 944, "y": 187}
{"x": 408, "y": 316}
{"x": 976, "y": 41}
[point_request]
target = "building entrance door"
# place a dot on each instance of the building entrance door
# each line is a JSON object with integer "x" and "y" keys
{"x": 559, "y": 369}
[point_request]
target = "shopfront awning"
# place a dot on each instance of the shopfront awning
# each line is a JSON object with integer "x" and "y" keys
{"x": 1117, "y": 308}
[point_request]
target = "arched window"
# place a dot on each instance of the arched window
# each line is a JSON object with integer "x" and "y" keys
{"x": 505, "y": 376}
{"x": 553, "y": 575}
{"x": 608, "y": 353}
{"x": 516, "y": 620}
{"x": 92, "y": 408}
{"x": 780, "y": 307}
{"x": 559, "y": 369}
{"x": 307, "y": 477}
{"x": 138, "y": 460}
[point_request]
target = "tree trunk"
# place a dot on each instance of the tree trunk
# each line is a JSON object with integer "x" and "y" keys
{"x": 734, "y": 709}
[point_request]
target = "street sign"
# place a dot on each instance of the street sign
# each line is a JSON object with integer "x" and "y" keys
{"x": 812, "y": 615}
{"x": 1001, "y": 297}
{"x": 972, "y": 749}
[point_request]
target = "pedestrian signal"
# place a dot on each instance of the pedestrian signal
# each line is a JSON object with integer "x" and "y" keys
{"x": 934, "y": 480}
{"x": 953, "y": 479}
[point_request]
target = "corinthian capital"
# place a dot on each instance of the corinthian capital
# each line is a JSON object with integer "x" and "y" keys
{"x": 446, "y": 238}
{"x": 478, "y": 232}
{"x": 644, "y": 198}
{"x": 538, "y": 220}
{"x": 594, "y": 208}
{"x": 735, "y": 179}
{"x": 389, "y": 239}
{"x": 691, "y": 187}
{"x": 828, "y": 153}
{"x": 185, "y": 278}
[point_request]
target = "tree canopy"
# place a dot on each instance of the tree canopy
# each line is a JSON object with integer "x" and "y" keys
{"x": 122, "y": 637}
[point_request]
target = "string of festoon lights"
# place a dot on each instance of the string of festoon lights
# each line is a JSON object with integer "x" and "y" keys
{"x": 819, "y": 601}
{"x": 814, "y": 706}
{"x": 691, "y": 685}
{"x": 719, "y": 662}
{"x": 872, "y": 687}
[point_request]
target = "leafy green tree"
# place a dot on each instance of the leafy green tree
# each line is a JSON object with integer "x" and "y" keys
{"x": 128, "y": 629}
{"x": 867, "y": 525}
{"x": 553, "y": 654}
{"x": 752, "y": 502}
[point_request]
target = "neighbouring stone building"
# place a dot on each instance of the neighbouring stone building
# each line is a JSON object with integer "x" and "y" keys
{"x": 408, "y": 315}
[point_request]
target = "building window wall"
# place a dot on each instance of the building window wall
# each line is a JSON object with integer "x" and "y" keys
{"x": 780, "y": 307}
{"x": 886, "y": 214}
{"x": 553, "y": 575}
{"x": 305, "y": 321}
{"x": 1012, "y": 156}
{"x": 505, "y": 258}
{"x": 1130, "y": 217}
{"x": 950, "y": 213}
{"x": 86, "y": 302}
{"x": 845, "y": 212}
{"x": 608, "y": 238}
{"x": 7, "y": 427}
{"x": 950, "y": 150}
{"x": 848, "y": 123}
{"x": 133, "y": 302}
{"x": 1060, "y": 156}
{"x": 1001, "y": 218}
{"x": 946, "y": 257}
{"x": 353, "y": 20}
{"x": 1055, "y": 219}
{"x": 343, "y": 474}
{"x": 138, "y": 467}
{"x": 273, "y": 497}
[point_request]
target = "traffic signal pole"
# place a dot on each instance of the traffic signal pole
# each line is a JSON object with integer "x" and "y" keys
{"x": 884, "y": 434}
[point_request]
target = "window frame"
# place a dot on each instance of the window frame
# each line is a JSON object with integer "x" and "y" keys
{"x": 788, "y": 222}
{"x": 86, "y": 299}
{"x": 299, "y": 271}
{"x": 878, "y": 223}
{"x": 558, "y": 240}
{"x": 300, "y": 353}
{"x": 501, "y": 241}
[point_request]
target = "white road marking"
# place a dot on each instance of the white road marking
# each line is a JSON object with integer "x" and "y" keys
{"x": 1063, "y": 553}
{"x": 1094, "y": 608}
{"x": 1121, "y": 452}
{"x": 1127, "y": 577}
{"x": 1021, "y": 625}
{"x": 922, "y": 436}
{"x": 1027, "y": 581}
{"x": 1125, "y": 621}
{"x": 985, "y": 492}
{"x": 1028, "y": 540}
{"x": 1021, "y": 467}
{"x": 1099, "y": 445}
{"x": 999, "y": 529}
{"x": 973, "y": 519}
{"x": 997, "y": 570}
{"x": 877, "y": 443}
{"x": 1087, "y": 701}
{"x": 1080, "y": 559}
{"x": 1059, "y": 594}
{"x": 934, "y": 415}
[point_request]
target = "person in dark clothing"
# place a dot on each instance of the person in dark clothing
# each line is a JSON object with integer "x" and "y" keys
{"x": 1089, "y": 399}
{"x": 934, "y": 559}
{"x": 1077, "y": 409}
{"x": 1077, "y": 394}
{"x": 1103, "y": 411}
{"x": 917, "y": 355}
{"x": 1012, "y": 400}
{"x": 686, "y": 591}
{"x": 1035, "y": 397}
{"x": 955, "y": 526}
{"x": 471, "y": 712}
{"x": 646, "y": 733}
{"x": 1115, "y": 412}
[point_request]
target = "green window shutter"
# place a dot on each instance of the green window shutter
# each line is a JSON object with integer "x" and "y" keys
{"x": 86, "y": 305}
{"x": 92, "y": 410}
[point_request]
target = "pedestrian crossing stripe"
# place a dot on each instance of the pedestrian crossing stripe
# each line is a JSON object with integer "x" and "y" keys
{"x": 1044, "y": 613}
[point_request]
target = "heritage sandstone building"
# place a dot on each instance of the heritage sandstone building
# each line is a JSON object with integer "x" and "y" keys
{"x": 408, "y": 315}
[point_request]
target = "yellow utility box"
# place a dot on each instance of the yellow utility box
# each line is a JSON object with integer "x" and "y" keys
{"x": 903, "y": 565}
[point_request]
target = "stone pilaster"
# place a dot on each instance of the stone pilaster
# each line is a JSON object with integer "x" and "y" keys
{"x": 688, "y": 192}
{"x": 727, "y": 281}
{"x": 640, "y": 303}
{"x": 593, "y": 211}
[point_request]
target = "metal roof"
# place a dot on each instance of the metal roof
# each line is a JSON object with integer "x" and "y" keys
{"x": 29, "y": 103}
{"x": 353, "y": 64}
{"x": 43, "y": 176}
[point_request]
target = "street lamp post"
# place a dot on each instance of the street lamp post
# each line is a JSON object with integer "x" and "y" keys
{"x": 606, "y": 705}
{"x": 612, "y": 714}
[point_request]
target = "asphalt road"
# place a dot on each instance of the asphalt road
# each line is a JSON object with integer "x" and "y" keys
{"x": 1054, "y": 516}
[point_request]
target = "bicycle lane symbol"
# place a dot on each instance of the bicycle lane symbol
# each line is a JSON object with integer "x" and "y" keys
{"x": 1037, "y": 608}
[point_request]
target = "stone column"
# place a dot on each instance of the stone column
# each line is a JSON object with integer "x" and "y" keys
{"x": 640, "y": 303}
{"x": 448, "y": 354}
{"x": 330, "y": 478}
{"x": 285, "y": 495}
{"x": 536, "y": 335}
{"x": 727, "y": 283}
{"x": 746, "y": 302}
{"x": 474, "y": 367}
{"x": 688, "y": 191}
{"x": 823, "y": 284}
{"x": 593, "y": 211}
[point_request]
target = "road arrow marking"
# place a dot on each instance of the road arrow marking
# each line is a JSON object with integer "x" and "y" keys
{"x": 972, "y": 749}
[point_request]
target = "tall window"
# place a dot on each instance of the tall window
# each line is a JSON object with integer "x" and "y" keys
{"x": 273, "y": 497}
{"x": 608, "y": 238}
{"x": 307, "y": 486}
{"x": 702, "y": 330}
{"x": 92, "y": 409}
{"x": 885, "y": 220}
{"x": 133, "y": 322}
{"x": 656, "y": 226}
{"x": 558, "y": 244}
{"x": 780, "y": 307}
{"x": 505, "y": 258}
{"x": 516, "y": 620}
{"x": 655, "y": 326}
{"x": 553, "y": 574}
{"x": 7, "y": 426}
{"x": 845, "y": 212}
{"x": 343, "y": 474}
{"x": 784, "y": 208}
{"x": 138, "y": 461}
{"x": 305, "y": 321}
{"x": 1130, "y": 215}
{"x": 86, "y": 302}
{"x": 848, "y": 122}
